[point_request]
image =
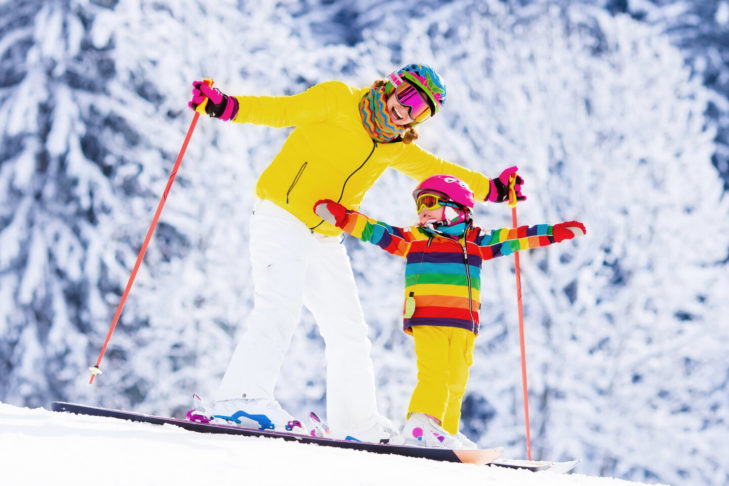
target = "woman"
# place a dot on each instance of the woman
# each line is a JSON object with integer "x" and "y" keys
{"x": 343, "y": 140}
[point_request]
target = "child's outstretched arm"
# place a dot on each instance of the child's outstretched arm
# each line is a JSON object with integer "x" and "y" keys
{"x": 389, "y": 238}
{"x": 506, "y": 241}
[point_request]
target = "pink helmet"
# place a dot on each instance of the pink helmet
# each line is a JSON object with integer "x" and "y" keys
{"x": 453, "y": 187}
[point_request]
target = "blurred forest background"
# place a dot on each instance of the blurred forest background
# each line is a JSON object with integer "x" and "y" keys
{"x": 616, "y": 112}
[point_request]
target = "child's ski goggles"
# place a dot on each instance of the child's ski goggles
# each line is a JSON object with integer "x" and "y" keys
{"x": 411, "y": 99}
{"x": 431, "y": 201}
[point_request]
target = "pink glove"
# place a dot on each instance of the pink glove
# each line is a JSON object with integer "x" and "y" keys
{"x": 219, "y": 105}
{"x": 330, "y": 211}
{"x": 499, "y": 191}
{"x": 568, "y": 230}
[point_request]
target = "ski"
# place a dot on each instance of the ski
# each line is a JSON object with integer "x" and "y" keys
{"x": 489, "y": 457}
{"x": 477, "y": 456}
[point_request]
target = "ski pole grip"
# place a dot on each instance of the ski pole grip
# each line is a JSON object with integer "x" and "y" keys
{"x": 201, "y": 107}
{"x": 512, "y": 191}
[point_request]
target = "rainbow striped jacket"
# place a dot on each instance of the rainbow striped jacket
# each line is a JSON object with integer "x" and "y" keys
{"x": 442, "y": 274}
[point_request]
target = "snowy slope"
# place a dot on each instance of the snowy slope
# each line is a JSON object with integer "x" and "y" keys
{"x": 42, "y": 447}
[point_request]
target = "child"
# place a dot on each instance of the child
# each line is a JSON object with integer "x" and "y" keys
{"x": 444, "y": 253}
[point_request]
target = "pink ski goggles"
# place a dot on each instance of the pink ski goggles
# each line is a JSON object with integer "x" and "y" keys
{"x": 410, "y": 98}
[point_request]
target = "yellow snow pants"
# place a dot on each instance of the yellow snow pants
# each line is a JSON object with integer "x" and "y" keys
{"x": 444, "y": 357}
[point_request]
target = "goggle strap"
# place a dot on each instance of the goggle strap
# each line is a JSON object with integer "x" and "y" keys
{"x": 454, "y": 205}
{"x": 396, "y": 79}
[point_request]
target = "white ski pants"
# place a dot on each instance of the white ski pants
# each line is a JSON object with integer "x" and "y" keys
{"x": 291, "y": 267}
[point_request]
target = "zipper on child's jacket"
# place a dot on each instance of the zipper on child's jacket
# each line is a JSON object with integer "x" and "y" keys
{"x": 468, "y": 278}
{"x": 341, "y": 195}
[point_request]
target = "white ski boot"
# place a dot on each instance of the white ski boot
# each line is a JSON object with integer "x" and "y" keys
{"x": 254, "y": 413}
{"x": 424, "y": 431}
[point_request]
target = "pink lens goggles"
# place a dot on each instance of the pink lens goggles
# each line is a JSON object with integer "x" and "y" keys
{"x": 410, "y": 98}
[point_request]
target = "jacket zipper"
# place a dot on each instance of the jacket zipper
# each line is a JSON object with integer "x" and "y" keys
{"x": 468, "y": 280}
{"x": 296, "y": 180}
{"x": 341, "y": 195}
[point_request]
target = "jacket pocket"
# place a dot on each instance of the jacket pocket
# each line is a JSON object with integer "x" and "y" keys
{"x": 296, "y": 180}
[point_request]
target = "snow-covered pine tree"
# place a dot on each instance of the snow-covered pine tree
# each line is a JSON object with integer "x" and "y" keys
{"x": 61, "y": 173}
{"x": 93, "y": 114}
{"x": 701, "y": 31}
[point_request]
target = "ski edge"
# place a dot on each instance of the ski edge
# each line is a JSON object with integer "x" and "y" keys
{"x": 558, "y": 467}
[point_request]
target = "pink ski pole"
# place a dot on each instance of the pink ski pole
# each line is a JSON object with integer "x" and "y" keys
{"x": 95, "y": 370}
{"x": 525, "y": 391}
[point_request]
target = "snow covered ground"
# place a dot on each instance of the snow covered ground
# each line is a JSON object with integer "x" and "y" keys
{"x": 39, "y": 447}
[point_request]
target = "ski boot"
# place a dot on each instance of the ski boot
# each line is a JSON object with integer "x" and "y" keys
{"x": 424, "y": 431}
{"x": 253, "y": 413}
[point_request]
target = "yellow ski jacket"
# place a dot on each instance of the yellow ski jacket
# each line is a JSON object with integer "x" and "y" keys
{"x": 329, "y": 155}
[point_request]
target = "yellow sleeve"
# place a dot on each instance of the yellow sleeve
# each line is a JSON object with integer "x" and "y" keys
{"x": 320, "y": 102}
{"x": 420, "y": 164}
